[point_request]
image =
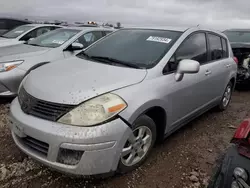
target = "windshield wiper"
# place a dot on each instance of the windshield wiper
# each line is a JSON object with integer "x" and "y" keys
{"x": 83, "y": 54}
{"x": 33, "y": 44}
{"x": 114, "y": 61}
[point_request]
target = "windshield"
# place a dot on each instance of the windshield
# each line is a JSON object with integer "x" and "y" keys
{"x": 54, "y": 38}
{"x": 238, "y": 36}
{"x": 143, "y": 48}
{"x": 17, "y": 31}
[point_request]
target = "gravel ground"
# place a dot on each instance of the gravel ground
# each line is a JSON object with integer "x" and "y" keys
{"x": 185, "y": 159}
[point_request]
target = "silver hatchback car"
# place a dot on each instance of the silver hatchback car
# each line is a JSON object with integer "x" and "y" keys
{"x": 103, "y": 110}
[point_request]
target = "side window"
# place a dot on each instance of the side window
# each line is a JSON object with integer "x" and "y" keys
{"x": 53, "y": 28}
{"x": 89, "y": 38}
{"x": 216, "y": 52}
{"x": 194, "y": 48}
{"x": 41, "y": 31}
{"x": 224, "y": 47}
{"x": 35, "y": 33}
{"x": 106, "y": 33}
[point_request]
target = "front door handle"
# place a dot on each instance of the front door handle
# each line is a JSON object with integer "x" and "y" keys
{"x": 208, "y": 72}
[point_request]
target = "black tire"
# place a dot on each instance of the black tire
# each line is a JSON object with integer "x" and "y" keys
{"x": 143, "y": 120}
{"x": 221, "y": 107}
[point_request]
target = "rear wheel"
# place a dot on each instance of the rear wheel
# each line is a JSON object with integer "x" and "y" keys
{"x": 138, "y": 145}
{"x": 226, "y": 97}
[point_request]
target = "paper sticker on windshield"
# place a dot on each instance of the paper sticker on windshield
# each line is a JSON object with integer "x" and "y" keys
{"x": 18, "y": 31}
{"x": 159, "y": 39}
{"x": 58, "y": 41}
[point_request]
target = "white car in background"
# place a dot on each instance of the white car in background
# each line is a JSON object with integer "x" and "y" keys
{"x": 19, "y": 60}
{"x": 24, "y": 33}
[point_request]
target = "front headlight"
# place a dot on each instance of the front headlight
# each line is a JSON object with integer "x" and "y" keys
{"x": 7, "y": 66}
{"x": 95, "y": 111}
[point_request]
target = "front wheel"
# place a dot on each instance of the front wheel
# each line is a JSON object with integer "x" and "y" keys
{"x": 138, "y": 145}
{"x": 226, "y": 97}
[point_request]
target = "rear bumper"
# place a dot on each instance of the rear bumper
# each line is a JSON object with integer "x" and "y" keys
{"x": 99, "y": 146}
{"x": 10, "y": 81}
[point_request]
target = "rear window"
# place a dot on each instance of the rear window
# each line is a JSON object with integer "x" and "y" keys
{"x": 238, "y": 36}
{"x": 215, "y": 47}
{"x": 17, "y": 31}
{"x": 141, "y": 47}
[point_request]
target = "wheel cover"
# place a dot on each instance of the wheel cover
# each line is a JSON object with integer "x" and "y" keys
{"x": 227, "y": 96}
{"x": 137, "y": 146}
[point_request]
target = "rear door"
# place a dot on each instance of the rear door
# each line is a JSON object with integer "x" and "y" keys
{"x": 215, "y": 71}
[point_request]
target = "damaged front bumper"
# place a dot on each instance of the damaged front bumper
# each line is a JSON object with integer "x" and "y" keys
{"x": 69, "y": 149}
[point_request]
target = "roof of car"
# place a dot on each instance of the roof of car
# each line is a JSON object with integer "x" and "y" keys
{"x": 237, "y": 30}
{"x": 16, "y": 19}
{"x": 41, "y": 25}
{"x": 89, "y": 28}
{"x": 181, "y": 29}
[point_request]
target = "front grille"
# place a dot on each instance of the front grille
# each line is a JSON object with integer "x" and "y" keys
{"x": 40, "y": 108}
{"x": 36, "y": 145}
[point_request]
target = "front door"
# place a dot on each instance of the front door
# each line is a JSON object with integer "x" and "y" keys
{"x": 185, "y": 97}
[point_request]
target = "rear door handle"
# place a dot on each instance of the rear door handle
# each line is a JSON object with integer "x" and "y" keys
{"x": 208, "y": 72}
{"x": 228, "y": 65}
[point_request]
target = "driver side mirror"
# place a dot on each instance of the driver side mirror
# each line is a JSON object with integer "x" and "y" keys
{"x": 76, "y": 46}
{"x": 186, "y": 66}
{"x": 30, "y": 39}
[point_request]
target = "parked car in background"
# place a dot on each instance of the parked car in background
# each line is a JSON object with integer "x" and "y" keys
{"x": 240, "y": 42}
{"x": 7, "y": 24}
{"x": 18, "y": 60}
{"x": 103, "y": 110}
{"x": 24, "y": 33}
{"x": 233, "y": 168}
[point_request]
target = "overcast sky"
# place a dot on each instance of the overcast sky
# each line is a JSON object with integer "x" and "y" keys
{"x": 219, "y": 14}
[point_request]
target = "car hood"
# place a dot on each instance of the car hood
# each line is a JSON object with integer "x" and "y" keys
{"x": 4, "y": 39}
{"x": 74, "y": 80}
{"x": 9, "y": 42}
{"x": 19, "y": 52}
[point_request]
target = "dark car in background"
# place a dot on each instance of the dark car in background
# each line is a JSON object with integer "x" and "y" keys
{"x": 240, "y": 42}
{"x": 7, "y": 24}
{"x": 233, "y": 169}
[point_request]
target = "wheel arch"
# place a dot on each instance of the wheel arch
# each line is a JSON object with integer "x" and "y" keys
{"x": 156, "y": 111}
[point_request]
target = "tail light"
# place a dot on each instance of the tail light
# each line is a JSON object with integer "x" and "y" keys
{"x": 241, "y": 138}
{"x": 236, "y": 60}
{"x": 243, "y": 130}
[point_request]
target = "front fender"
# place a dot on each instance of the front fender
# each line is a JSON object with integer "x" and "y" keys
{"x": 132, "y": 112}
